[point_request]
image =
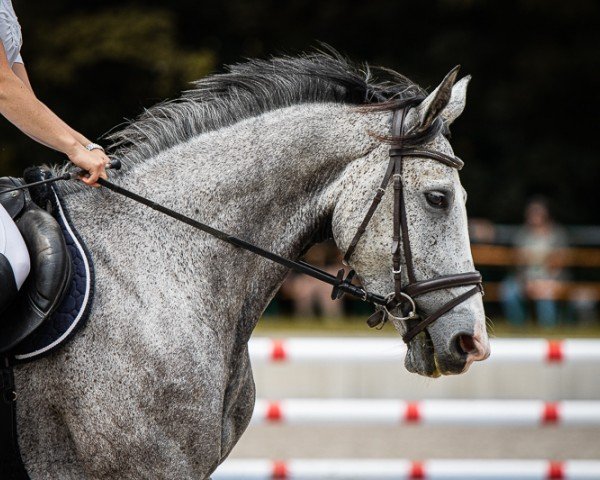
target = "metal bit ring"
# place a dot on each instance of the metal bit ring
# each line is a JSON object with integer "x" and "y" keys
{"x": 413, "y": 308}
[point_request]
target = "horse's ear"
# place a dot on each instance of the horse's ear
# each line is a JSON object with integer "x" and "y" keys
{"x": 458, "y": 100}
{"x": 437, "y": 101}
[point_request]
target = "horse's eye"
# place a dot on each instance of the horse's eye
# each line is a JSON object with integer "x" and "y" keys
{"x": 437, "y": 199}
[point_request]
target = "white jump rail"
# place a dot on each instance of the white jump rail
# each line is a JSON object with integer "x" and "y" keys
{"x": 364, "y": 350}
{"x": 427, "y": 412}
{"x": 381, "y": 469}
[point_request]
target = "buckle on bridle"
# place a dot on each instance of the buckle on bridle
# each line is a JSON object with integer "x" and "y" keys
{"x": 413, "y": 307}
{"x": 338, "y": 291}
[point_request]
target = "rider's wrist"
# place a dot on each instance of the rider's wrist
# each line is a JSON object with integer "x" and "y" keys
{"x": 72, "y": 149}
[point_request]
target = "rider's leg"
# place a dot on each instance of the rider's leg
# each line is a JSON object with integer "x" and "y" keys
{"x": 14, "y": 258}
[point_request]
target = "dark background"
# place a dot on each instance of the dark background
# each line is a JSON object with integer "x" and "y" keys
{"x": 531, "y": 123}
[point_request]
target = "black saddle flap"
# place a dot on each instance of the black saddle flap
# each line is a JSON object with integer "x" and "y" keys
{"x": 47, "y": 282}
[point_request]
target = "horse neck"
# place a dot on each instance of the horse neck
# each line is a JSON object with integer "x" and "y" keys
{"x": 271, "y": 180}
{"x": 267, "y": 178}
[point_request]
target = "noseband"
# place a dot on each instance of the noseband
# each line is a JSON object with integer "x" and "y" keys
{"x": 403, "y": 297}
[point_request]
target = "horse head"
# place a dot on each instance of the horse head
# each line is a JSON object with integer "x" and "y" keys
{"x": 434, "y": 235}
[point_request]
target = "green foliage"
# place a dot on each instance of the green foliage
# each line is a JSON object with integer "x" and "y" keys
{"x": 140, "y": 38}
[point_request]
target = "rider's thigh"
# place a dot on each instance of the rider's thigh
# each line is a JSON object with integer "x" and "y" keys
{"x": 13, "y": 247}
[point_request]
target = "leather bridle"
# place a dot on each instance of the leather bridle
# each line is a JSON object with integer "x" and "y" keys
{"x": 403, "y": 297}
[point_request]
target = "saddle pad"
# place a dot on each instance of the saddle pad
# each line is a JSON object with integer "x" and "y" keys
{"x": 74, "y": 309}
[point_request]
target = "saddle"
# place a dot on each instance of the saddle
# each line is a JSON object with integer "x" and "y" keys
{"x": 51, "y": 266}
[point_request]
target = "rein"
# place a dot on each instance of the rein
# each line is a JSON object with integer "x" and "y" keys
{"x": 340, "y": 284}
{"x": 402, "y": 297}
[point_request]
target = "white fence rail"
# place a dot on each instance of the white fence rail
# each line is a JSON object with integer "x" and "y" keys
{"x": 428, "y": 412}
{"x": 363, "y": 350}
{"x": 323, "y": 350}
{"x": 406, "y": 470}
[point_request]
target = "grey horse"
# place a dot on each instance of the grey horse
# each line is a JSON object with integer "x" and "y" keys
{"x": 284, "y": 153}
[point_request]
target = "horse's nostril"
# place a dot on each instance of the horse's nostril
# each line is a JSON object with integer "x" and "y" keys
{"x": 466, "y": 344}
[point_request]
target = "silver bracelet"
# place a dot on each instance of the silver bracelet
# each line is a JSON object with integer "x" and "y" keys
{"x": 93, "y": 146}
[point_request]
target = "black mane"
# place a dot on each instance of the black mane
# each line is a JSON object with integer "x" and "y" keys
{"x": 257, "y": 86}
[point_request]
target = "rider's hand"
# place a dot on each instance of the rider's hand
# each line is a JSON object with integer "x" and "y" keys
{"x": 94, "y": 162}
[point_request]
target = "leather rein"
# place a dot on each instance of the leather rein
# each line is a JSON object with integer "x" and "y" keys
{"x": 403, "y": 296}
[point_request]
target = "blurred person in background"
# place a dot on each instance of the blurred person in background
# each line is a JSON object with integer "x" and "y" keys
{"x": 20, "y": 106}
{"x": 309, "y": 297}
{"x": 540, "y": 253}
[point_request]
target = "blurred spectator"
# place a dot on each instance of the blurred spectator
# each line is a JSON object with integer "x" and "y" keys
{"x": 309, "y": 296}
{"x": 583, "y": 305}
{"x": 482, "y": 230}
{"x": 540, "y": 258}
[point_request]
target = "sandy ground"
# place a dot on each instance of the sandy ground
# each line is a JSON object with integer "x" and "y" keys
{"x": 419, "y": 442}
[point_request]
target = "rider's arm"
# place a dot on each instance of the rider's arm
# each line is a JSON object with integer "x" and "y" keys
{"x": 21, "y": 72}
{"x": 21, "y": 107}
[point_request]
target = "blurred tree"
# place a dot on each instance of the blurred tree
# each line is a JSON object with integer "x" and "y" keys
{"x": 92, "y": 69}
{"x": 143, "y": 39}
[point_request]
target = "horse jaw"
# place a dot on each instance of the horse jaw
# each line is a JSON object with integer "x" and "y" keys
{"x": 438, "y": 350}
{"x": 420, "y": 356}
